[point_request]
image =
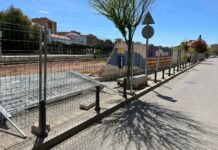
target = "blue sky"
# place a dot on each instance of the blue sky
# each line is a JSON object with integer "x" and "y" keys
{"x": 175, "y": 20}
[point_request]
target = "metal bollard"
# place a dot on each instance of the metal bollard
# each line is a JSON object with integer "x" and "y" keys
{"x": 178, "y": 68}
{"x": 174, "y": 69}
{"x": 155, "y": 76}
{"x": 97, "y": 105}
{"x": 169, "y": 73}
{"x": 124, "y": 87}
{"x": 163, "y": 74}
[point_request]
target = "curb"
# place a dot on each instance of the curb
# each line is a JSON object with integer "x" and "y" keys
{"x": 68, "y": 134}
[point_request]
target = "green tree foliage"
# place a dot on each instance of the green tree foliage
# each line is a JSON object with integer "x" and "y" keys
{"x": 19, "y": 36}
{"x": 185, "y": 46}
{"x": 105, "y": 46}
{"x": 126, "y": 16}
{"x": 15, "y": 16}
{"x": 209, "y": 52}
{"x": 200, "y": 45}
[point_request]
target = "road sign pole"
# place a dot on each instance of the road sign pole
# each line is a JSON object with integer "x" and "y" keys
{"x": 0, "y": 43}
{"x": 147, "y": 32}
{"x": 146, "y": 57}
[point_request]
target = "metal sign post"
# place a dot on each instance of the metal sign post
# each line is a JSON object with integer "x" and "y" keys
{"x": 0, "y": 43}
{"x": 147, "y": 33}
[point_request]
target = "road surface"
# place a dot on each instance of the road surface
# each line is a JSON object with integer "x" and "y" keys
{"x": 182, "y": 114}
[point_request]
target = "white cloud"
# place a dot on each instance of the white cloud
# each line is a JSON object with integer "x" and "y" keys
{"x": 43, "y": 11}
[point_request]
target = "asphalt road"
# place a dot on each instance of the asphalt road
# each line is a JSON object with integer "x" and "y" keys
{"x": 182, "y": 114}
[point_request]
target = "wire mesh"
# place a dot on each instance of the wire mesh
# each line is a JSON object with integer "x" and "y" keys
{"x": 18, "y": 78}
{"x": 77, "y": 67}
{"x": 73, "y": 70}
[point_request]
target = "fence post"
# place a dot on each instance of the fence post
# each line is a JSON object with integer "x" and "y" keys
{"x": 155, "y": 76}
{"x": 124, "y": 88}
{"x": 42, "y": 128}
{"x": 97, "y": 105}
{"x": 42, "y": 103}
{"x": 163, "y": 74}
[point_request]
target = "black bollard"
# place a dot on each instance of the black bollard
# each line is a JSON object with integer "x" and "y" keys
{"x": 124, "y": 88}
{"x": 169, "y": 73}
{"x": 155, "y": 76}
{"x": 97, "y": 105}
{"x": 163, "y": 74}
{"x": 174, "y": 69}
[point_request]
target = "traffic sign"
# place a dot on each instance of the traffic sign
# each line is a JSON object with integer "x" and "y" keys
{"x": 148, "y": 19}
{"x": 147, "y": 32}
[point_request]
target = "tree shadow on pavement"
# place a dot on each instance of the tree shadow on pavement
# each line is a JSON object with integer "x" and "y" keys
{"x": 166, "y": 98}
{"x": 154, "y": 127}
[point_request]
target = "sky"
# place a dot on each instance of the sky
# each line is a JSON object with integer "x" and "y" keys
{"x": 175, "y": 20}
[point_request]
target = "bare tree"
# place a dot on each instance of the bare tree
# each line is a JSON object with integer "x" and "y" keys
{"x": 126, "y": 16}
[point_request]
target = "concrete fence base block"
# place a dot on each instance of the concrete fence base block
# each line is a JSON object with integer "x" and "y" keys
{"x": 36, "y": 130}
{"x": 86, "y": 105}
{"x": 136, "y": 81}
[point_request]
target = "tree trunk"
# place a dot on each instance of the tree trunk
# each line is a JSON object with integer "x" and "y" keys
{"x": 129, "y": 45}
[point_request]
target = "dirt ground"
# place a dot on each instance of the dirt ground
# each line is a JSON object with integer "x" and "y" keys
{"x": 82, "y": 66}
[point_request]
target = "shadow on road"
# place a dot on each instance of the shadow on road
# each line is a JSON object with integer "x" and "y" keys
{"x": 152, "y": 126}
{"x": 163, "y": 97}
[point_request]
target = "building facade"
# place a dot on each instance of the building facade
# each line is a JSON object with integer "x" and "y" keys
{"x": 214, "y": 48}
{"x": 45, "y": 22}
